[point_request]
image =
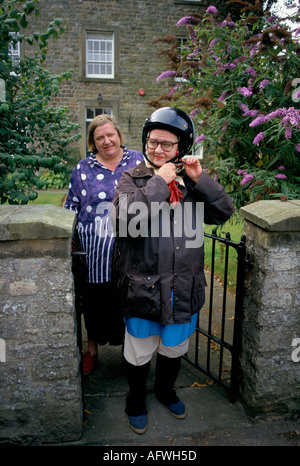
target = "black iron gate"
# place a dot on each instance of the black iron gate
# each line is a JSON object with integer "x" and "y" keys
{"x": 227, "y": 378}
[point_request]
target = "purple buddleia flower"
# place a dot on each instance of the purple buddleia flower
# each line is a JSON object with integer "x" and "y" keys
{"x": 166, "y": 74}
{"x": 195, "y": 112}
{"x": 239, "y": 59}
{"x": 188, "y": 92}
{"x": 294, "y": 114}
{"x": 193, "y": 54}
{"x": 280, "y": 176}
{"x": 173, "y": 90}
{"x": 184, "y": 75}
{"x": 281, "y": 167}
{"x": 259, "y": 138}
{"x": 258, "y": 120}
{"x": 274, "y": 114}
{"x": 248, "y": 112}
{"x": 200, "y": 138}
{"x": 250, "y": 84}
{"x": 192, "y": 35}
{"x": 213, "y": 42}
{"x": 242, "y": 172}
{"x": 212, "y": 9}
{"x": 227, "y": 23}
{"x": 223, "y": 96}
{"x": 279, "y": 113}
{"x": 184, "y": 20}
{"x": 251, "y": 71}
{"x": 188, "y": 20}
{"x": 298, "y": 147}
{"x": 244, "y": 107}
{"x": 244, "y": 91}
{"x": 248, "y": 177}
{"x": 289, "y": 116}
{"x": 251, "y": 113}
{"x": 288, "y": 132}
{"x": 255, "y": 49}
{"x": 264, "y": 83}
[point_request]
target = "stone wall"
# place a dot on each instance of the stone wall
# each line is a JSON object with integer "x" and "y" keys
{"x": 40, "y": 382}
{"x": 271, "y": 327}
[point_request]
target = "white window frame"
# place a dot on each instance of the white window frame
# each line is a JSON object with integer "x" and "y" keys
{"x": 100, "y": 55}
{"x": 14, "y": 51}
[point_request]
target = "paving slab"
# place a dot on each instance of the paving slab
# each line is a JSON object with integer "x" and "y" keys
{"x": 211, "y": 419}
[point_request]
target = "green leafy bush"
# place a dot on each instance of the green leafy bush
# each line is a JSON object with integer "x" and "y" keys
{"x": 34, "y": 134}
{"x": 55, "y": 180}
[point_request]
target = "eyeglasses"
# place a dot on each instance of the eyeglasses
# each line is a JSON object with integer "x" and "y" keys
{"x": 165, "y": 145}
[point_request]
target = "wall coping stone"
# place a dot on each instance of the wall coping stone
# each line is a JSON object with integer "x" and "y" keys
{"x": 40, "y": 221}
{"x": 274, "y": 215}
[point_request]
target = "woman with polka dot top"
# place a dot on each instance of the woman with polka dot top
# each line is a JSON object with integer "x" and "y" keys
{"x": 91, "y": 192}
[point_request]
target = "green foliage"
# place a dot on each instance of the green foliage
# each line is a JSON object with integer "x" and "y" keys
{"x": 55, "y": 180}
{"x": 34, "y": 134}
{"x": 241, "y": 88}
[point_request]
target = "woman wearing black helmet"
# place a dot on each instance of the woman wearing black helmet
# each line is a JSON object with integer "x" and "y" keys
{"x": 160, "y": 209}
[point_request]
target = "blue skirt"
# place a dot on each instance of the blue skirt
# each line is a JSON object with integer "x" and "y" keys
{"x": 171, "y": 335}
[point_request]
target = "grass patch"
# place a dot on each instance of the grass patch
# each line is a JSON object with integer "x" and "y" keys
{"x": 49, "y": 197}
{"x": 236, "y": 231}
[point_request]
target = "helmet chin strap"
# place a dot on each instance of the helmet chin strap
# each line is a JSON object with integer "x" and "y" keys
{"x": 176, "y": 159}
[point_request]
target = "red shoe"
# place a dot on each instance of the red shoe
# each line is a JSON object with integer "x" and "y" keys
{"x": 88, "y": 362}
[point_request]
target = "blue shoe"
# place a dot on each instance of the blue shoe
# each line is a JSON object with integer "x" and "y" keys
{"x": 138, "y": 423}
{"x": 177, "y": 410}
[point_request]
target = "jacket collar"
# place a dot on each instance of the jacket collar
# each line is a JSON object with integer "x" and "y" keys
{"x": 141, "y": 170}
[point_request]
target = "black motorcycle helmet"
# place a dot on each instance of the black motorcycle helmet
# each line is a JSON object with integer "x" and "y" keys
{"x": 176, "y": 121}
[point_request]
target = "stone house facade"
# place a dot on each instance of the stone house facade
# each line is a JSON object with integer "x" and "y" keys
{"x": 109, "y": 45}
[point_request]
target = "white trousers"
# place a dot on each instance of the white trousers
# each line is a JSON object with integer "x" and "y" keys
{"x": 138, "y": 351}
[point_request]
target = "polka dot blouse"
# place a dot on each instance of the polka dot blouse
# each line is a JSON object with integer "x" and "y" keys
{"x": 91, "y": 192}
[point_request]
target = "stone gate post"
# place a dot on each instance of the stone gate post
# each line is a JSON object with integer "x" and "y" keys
{"x": 270, "y": 359}
{"x": 40, "y": 382}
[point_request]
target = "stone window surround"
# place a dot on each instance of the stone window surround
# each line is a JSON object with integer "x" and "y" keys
{"x": 99, "y": 29}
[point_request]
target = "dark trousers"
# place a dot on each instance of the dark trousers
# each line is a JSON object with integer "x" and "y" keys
{"x": 166, "y": 372}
